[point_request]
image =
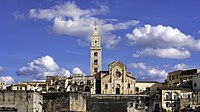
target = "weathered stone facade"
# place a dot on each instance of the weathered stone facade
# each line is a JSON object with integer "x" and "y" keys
{"x": 65, "y": 101}
{"x": 21, "y": 101}
{"x": 117, "y": 80}
{"x": 174, "y": 99}
{"x": 83, "y": 101}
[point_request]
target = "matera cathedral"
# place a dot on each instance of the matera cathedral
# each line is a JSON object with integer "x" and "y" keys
{"x": 117, "y": 80}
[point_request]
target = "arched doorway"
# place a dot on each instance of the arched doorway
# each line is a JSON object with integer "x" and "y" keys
{"x": 51, "y": 89}
{"x": 118, "y": 89}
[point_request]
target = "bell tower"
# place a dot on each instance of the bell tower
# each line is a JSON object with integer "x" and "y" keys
{"x": 95, "y": 53}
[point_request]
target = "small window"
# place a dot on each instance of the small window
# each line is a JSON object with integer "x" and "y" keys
{"x": 129, "y": 86}
{"x": 148, "y": 89}
{"x": 157, "y": 96}
{"x": 106, "y": 86}
{"x": 88, "y": 82}
{"x": 95, "y": 41}
{"x": 95, "y": 69}
{"x": 195, "y": 84}
{"x": 95, "y": 54}
{"x": 95, "y": 62}
{"x": 174, "y": 105}
{"x": 167, "y": 104}
{"x": 175, "y": 97}
{"x": 167, "y": 97}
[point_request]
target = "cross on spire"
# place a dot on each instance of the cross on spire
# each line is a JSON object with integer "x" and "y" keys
{"x": 95, "y": 26}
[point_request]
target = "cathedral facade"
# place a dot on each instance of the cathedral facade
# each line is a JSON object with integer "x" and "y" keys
{"x": 117, "y": 80}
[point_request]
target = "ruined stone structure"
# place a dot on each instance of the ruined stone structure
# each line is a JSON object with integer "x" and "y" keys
{"x": 82, "y": 83}
{"x": 74, "y": 83}
{"x": 56, "y": 83}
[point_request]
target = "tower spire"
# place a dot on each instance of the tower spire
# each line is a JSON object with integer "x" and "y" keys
{"x": 95, "y": 26}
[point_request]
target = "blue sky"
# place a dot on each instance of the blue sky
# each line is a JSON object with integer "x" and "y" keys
{"x": 49, "y": 37}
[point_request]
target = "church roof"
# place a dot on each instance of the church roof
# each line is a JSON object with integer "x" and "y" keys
{"x": 117, "y": 61}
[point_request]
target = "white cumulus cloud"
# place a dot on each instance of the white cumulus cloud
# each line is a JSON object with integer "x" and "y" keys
{"x": 77, "y": 70}
{"x": 148, "y": 72}
{"x": 7, "y": 79}
{"x": 42, "y": 67}
{"x": 71, "y": 20}
{"x": 164, "y": 53}
{"x": 163, "y": 41}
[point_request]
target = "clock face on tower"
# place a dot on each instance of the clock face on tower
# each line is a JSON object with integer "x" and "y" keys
{"x": 118, "y": 74}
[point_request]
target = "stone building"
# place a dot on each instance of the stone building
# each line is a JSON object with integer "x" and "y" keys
{"x": 95, "y": 53}
{"x": 174, "y": 99}
{"x": 155, "y": 101}
{"x": 147, "y": 86}
{"x": 196, "y": 82}
{"x": 117, "y": 80}
{"x": 28, "y": 86}
{"x": 181, "y": 78}
{"x": 56, "y": 83}
{"x": 74, "y": 83}
{"x": 35, "y": 85}
{"x": 81, "y": 82}
{"x": 20, "y": 101}
{"x": 18, "y": 87}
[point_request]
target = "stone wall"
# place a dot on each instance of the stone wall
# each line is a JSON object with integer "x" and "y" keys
{"x": 25, "y": 101}
{"x": 56, "y": 102}
{"x": 78, "y": 101}
{"x": 20, "y": 101}
{"x": 117, "y": 103}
